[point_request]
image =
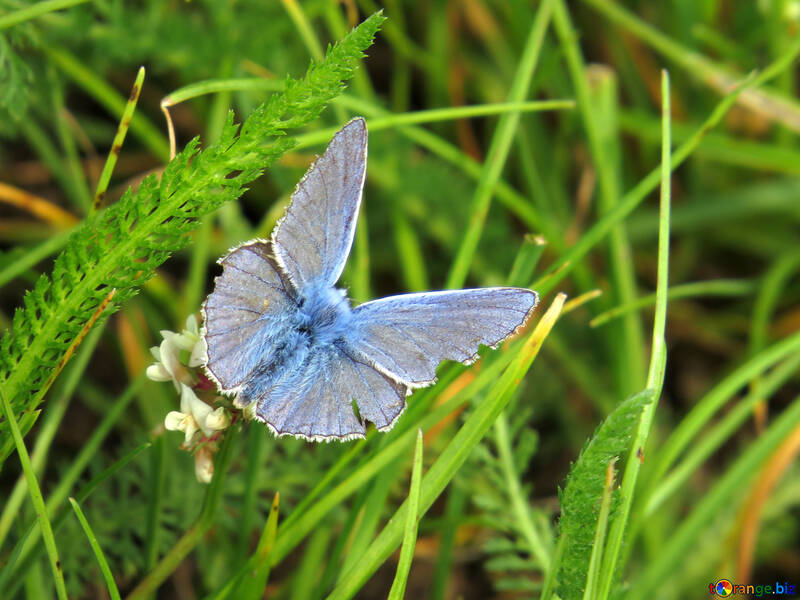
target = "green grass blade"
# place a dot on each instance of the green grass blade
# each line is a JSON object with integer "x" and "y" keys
{"x": 658, "y": 356}
{"x": 111, "y": 99}
{"x": 409, "y": 250}
{"x": 36, "y": 10}
{"x": 98, "y": 552}
{"x": 303, "y": 27}
{"x": 526, "y": 260}
{"x": 714, "y": 437}
{"x": 155, "y": 500}
{"x": 697, "y": 289}
{"x": 290, "y": 534}
{"x": 32, "y": 256}
{"x": 398, "y": 590}
{"x": 26, "y": 553}
{"x": 36, "y": 498}
{"x": 711, "y": 403}
{"x": 78, "y": 190}
{"x": 254, "y": 580}
{"x": 719, "y": 147}
{"x": 336, "y": 469}
{"x": 385, "y": 120}
{"x": 498, "y": 150}
{"x": 308, "y": 577}
{"x": 48, "y": 430}
{"x": 187, "y": 542}
{"x": 119, "y": 139}
{"x": 256, "y": 447}
{"x": 784, "y": 109}
{"x": 598, "y": 109}
{"x": 769, "y": 294}
{"x": 457, "y": 497}
{"x": 91, "y": 446}
{"x": 213, "y": 86}
{"x": 370, "y": 508}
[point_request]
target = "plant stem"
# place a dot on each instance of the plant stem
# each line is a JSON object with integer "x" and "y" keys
{"x": 170, "y": 561}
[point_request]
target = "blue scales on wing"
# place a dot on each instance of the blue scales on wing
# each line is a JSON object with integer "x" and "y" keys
{"x": 315, "y": 401}
{"x": 247, "y": 297}
{"x": 313, "y": 239}
{"x": 409, "y": 335}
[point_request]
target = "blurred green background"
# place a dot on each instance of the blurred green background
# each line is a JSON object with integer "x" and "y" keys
{"x": 701, "y": 512}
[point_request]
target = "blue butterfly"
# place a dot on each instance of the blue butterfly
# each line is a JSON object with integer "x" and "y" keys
{"x": 292, "y": 349}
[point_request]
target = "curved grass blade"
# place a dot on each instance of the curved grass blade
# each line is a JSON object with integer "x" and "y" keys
{"x": 36, "y": 498}
{"x": 696, "y": 289}
{"x": 36, "y": 10}
{"x": 397, "y": 592}
{"x": 98, "y": 552}
{"x": 255, "y": 578}
{"x": 658, "y": 354}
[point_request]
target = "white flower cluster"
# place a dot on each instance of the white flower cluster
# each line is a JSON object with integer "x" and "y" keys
{"x": 195, "y": 415}
{"x": 169, "y": 366}
{"x": 197, "y": 419}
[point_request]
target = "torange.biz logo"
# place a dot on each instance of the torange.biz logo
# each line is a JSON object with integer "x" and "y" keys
{"x": 725, "y": 588}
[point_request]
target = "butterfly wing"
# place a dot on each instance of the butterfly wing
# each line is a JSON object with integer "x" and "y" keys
{"x": 408, "y": 336}
{"x": 315, "y": 401}
{"x": 248, "y": 293}
{"x": 313, "y": 239}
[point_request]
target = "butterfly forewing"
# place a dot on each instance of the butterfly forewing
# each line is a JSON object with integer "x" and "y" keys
{"x": 249, "y": 289}
{"x": 409, "y": 335}
{"x": 313, "y": 240}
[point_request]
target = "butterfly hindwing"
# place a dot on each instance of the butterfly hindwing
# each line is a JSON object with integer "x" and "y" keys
{"x": 313, "y": 239}
{"x": 247, "y": 293}
{"x": 409, "y": 335}
{"x": 316, "y": 400}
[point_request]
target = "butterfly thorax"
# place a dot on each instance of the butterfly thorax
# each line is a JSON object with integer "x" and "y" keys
{"x": 319, "y": 317}
{"x": 324, "y": 315}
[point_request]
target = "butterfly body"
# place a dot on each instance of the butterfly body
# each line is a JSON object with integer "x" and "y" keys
{"x": 291, "y": 348}
{"x": 324, "y": 315}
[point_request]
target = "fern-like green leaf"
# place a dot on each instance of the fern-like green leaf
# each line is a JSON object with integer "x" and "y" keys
{"x": 580, "y": 499}
{"x": 122, "y": 246}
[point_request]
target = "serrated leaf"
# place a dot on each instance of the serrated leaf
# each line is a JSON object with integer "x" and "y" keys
{"x": 580, "y": 499}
